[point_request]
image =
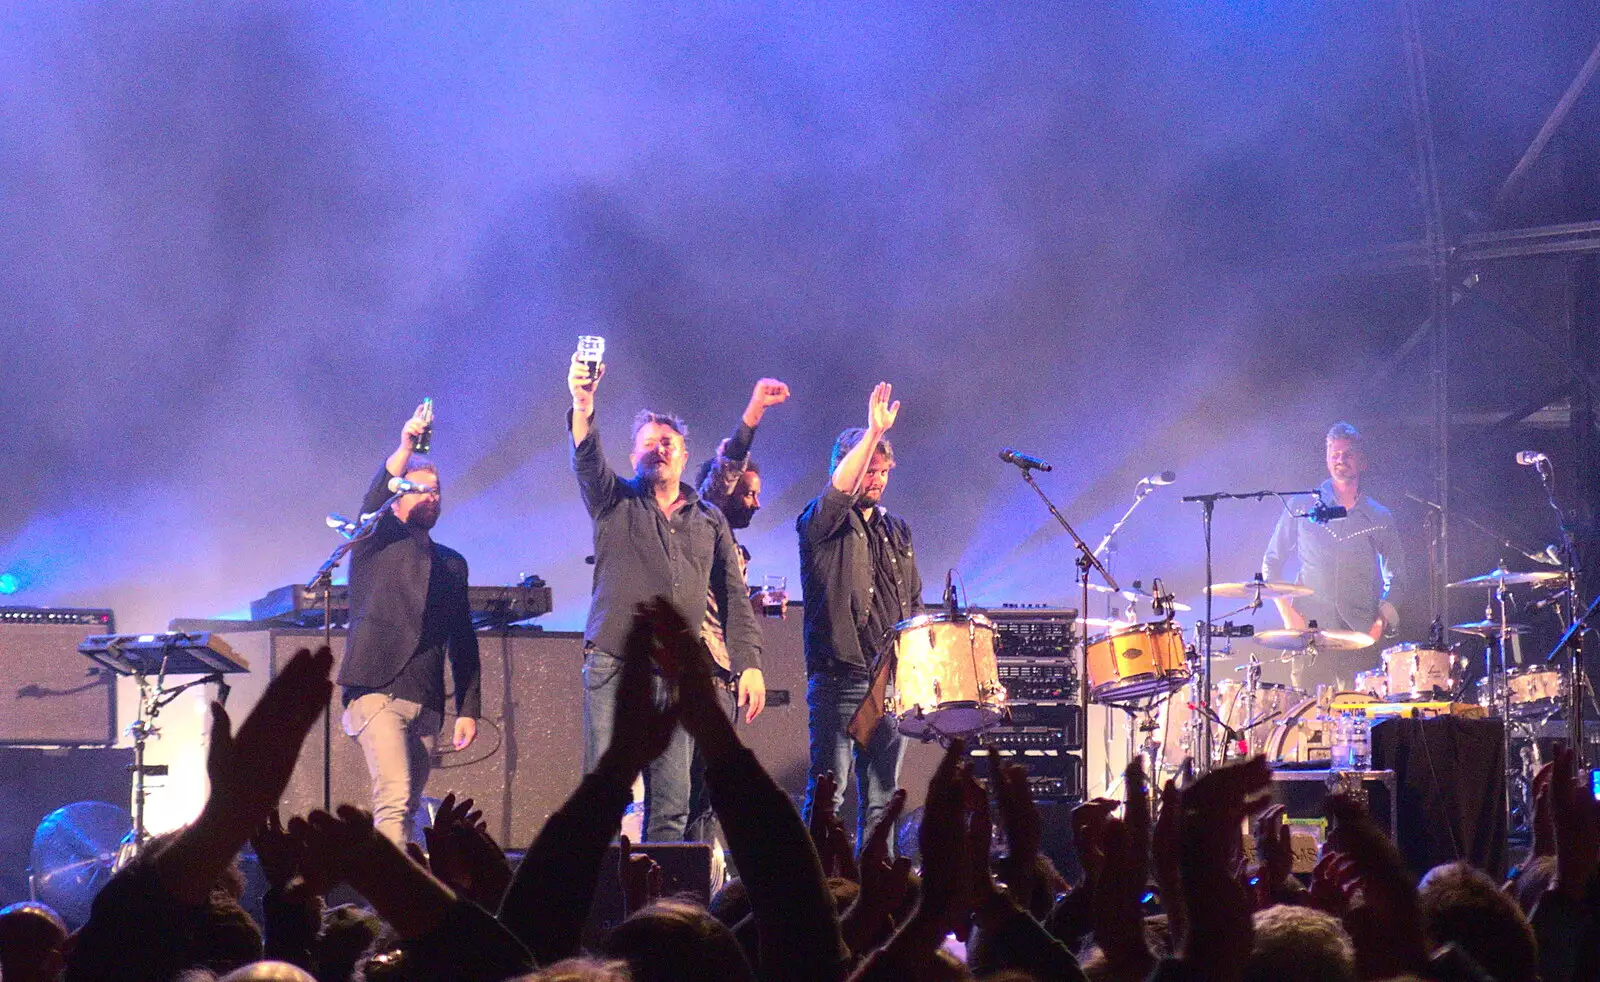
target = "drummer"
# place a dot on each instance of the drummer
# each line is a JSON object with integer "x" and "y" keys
{"x": 1352, "y": 565}
{"x": 860, "y": 579}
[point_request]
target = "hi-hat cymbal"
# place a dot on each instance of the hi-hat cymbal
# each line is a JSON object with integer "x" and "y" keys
{"x": 1488, "y": 629}
{"x": 1137, "y": 593}
{"x": 1265, "y": 589}
{"x": 1286, "y": 640}
{"x": 1508, "y": 577}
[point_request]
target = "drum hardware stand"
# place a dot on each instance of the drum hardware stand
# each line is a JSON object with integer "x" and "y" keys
{"x": 1085, "y": 561}
{"x": 1577, "y": 681}
{"x": 322, "y": 581}
{"x": 1208, "y": 505}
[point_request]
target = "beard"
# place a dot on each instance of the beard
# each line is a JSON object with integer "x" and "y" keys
{"x": 738, "y": 516}
{"x": 423, "y": 517}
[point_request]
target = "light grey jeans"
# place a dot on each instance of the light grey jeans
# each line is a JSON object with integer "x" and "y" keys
{"x": 396, "y": 736}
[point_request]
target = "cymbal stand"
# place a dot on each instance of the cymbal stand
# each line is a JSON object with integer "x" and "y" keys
{"x": 1208, "y": 505}
{"x": 1513, "y": 772}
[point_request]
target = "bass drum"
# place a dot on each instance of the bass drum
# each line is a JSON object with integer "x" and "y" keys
{"x": 1306, "y": 734}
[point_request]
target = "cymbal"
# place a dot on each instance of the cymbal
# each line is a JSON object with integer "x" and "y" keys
{"x": 1511, "y": 578}
{"x": 1285, "y": 640}
{"x": 1105, "y": 624}
{"x": 1265, "y": 589}
{"x": 1137, "y": 593}
{"x": 1488, "y": 629}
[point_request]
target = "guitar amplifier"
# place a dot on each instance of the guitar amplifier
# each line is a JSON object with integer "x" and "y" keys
{"x": 49, "y": 694}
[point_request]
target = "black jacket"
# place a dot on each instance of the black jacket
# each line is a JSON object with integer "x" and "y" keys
{"x": 389, "y": 573}
{"x": 837, "y": 577}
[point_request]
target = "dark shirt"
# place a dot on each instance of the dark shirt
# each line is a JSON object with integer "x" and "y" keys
{"x": 408, "y": 613}
{"x": 1351, "y": 563}
{"x": 723, "y": 472}
{"x": 640, "y": 553}
{"x": 858, "y": 581}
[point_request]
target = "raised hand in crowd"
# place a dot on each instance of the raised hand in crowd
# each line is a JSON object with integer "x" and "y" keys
{"x": 768, "y": 392}
{"x": 1273, "y": 874}
{"x": 789, "y": 898}
{"x": 639, "y": 877}
{"x": 885, "y": 881}
{"x": 463, "y": 854}
{"x": 1165, "y": 865}
{"x": 828, "y": 833}
{"x": 442, "y": 937}
{"x": 249, "y": 771}
{"x": 1379, "y": 894}
{"x": 1217, "y": 941}
{"x": 1121, "y": 848}
{"x": 550, "y": 895}
{"x": 1028, "y": 876}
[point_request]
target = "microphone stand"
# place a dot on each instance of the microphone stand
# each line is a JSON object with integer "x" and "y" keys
{"x": 322, "y": 580}
{"x": 1208, "y": 505}
{"x": 1086, "y": 561}
{"x": 1577, "y": 681}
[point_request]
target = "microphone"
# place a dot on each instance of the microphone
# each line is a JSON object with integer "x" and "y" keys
{"x": 1531, "y": 458}
{"x": 399, "y": 485}
{"x": 1322, "y": 514}
{"x": 1551, "y": 556}
{"x": 1159, "y": 480}
{"x": 1025, "y": 461}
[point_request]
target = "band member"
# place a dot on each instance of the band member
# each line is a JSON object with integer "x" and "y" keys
{"x": 1352, "y": 564}
{"x": 732, "y": 481}
{"x": 408, "y": 613}
{"x": 860, "y": 578}
{"x": 653, "y": 536}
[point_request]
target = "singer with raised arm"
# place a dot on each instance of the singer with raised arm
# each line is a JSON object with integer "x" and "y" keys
{"x": 654, "y": 536}
{"x": 859, "y": 573}
{"x": 409, "y": 614}
{"x": 1352, "y": 564}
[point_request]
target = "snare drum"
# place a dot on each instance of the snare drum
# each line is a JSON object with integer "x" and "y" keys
{"x": 1536, "y": 691}
{"x": 1142, "y": 661}
{"x": 1414, "y": 672}
{"x": 946, "y": 682}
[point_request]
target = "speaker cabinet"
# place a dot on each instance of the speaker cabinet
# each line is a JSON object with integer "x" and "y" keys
{"x": 49, "y": 694}
{"x": 528, "y": 756}
{"x": 35, "y": 782}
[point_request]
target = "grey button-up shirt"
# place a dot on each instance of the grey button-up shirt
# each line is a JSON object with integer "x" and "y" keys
{"x": 640, "y": 553}
{"x": 1351, "y": 563}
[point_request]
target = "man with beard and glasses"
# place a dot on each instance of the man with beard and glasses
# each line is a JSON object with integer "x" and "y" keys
{"x": 408, "y": 613}
{"x": 860, "y": 578}
{"x": 653, "y": 537}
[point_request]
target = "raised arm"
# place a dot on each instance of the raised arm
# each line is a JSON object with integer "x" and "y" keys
{"x": 734, "y": 452}
{"x": 582, "y": 388}
{"x": 794, "y": 912}
{"x": 881, "y": 413}
{"x": 400, "y": 460}
{"x": 549, "y": 897}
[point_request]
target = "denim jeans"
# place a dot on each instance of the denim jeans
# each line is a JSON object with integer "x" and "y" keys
{"x": 832, "y": 695}
{"x": 396, "y": 737}
{"x": 667, "y": 778}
